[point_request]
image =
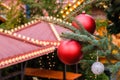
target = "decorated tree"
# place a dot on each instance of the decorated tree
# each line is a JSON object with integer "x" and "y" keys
{"x": 93, "y": 47}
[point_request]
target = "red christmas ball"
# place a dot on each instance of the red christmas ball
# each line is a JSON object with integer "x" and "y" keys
{"x": 87, "y": 21}
{"x": 69, "y": 52}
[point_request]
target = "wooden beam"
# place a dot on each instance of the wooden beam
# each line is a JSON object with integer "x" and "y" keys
{"x": 51, "y": 74}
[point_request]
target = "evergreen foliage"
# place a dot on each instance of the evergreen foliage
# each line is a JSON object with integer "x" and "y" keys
{"x": 94, "y": 43}
{"x": 14, "y": 17}
{"x": 41, "y": 7}
{"x": 113, "y": 13}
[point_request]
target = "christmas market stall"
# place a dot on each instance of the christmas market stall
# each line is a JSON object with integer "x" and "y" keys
{"x": 49, "y": 35}
{"x": 34, "y": 33}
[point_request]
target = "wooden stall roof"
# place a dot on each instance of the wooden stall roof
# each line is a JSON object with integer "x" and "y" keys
{"x": 28, "y": 41}
{"x": 14, "y": 50}
{"x": 41, "y": 31}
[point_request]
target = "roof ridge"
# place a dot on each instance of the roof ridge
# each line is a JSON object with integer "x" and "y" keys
{"x": 55, "y": 31}
{"x": 26, "y": 25}
{"x": 38, "y": 20}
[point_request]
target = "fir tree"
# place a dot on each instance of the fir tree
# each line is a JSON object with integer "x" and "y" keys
{"x": 42, "y": 7}
{"x": 92, "y": 44}
{"x": 14, "y": 16}
{"x": 113, "y": 13}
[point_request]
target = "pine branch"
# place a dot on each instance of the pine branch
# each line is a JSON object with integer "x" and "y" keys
{"x": 81, "y": 38}
{"x": 88, "y": 48}
{"x": 116, "y": 56}
{"x": 114, "y": 68}
{"x": 86, "y": 61}
{"x": 104, "y": 42}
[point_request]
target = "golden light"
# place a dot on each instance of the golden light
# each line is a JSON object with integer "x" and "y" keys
{"x": 74, "y": 6}
{"x": 66, "y": 8}
{"x": 74, "y": 1}
{"x": 57, "y": 15}
{"x": 78, "y": 3}
{"x": 69, "y": 4}
{"x": 63, "y": 16}
{"x": 105, "y": 6}
{"x": 115, "y": 51}
{"x": 61, "y": 12}
{"x": 67, "y": 12}
{"x": 71, "y": 9}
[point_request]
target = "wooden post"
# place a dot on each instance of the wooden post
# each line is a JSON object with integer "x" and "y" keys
{"x": 76, "y": 69}
{"x": 23, "y": 66}
{"x": 64, "y": 72}
{"x": 0, "y": 74}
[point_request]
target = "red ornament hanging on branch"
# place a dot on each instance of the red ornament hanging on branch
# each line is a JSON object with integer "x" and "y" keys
{"x": 69, "y": 52}
{"x": 87, "y": 21}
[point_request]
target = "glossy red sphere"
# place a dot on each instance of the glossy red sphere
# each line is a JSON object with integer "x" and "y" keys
{"x": 69, "y": 52}
{"x": 87, "y": 21}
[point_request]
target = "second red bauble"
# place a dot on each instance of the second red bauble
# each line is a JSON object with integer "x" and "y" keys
{"x": 69, "y": 52}
{"x": 87, "y": 21}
